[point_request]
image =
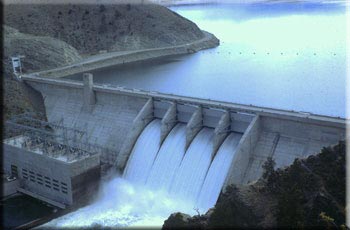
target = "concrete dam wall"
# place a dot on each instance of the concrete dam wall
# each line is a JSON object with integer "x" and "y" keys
{"x": 116, "y": 117}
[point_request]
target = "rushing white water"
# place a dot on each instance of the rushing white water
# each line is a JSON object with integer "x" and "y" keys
{"x": 217, "y": 173}
{"x": 168, "y": 159}
{"x": 155, "y": 185}
{"x": 191, "y": 173}
{"x": 122, "y": 204}
{"x": 143, "y": 154}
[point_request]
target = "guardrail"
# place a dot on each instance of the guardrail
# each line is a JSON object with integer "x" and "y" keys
{"x": 230, "y": 106}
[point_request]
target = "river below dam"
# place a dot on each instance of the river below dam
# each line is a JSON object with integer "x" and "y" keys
{"x": 288, "y": 56}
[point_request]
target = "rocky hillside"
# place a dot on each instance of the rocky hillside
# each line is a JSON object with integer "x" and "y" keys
{"x": 309, "y": 193}
{"x": 51, "y": 36}
{"x": 41, "y": 52}
{"x": 93, "y": 27}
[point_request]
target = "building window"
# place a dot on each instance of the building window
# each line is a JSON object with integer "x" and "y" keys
{"x": 25, "y": 174}
{"x": 47, "y": 182}
{"x": 55, "y": 186}
{"x": 63, "y": 187}
{"x": 31, "y": 176}
{"x": 14, "y": 172}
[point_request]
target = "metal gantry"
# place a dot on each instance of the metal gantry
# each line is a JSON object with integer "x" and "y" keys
{"x": 53, "y": 138}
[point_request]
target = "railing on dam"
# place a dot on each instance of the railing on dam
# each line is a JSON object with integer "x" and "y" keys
{"x": 108, "y": 88}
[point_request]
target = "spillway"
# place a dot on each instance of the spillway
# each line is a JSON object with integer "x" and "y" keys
{"x": 191, "y": 173}
{"x": 193, "y": 176}
{"x": 168, "y": 159}
{"x": 217, "y": 172}
{"x": 143, "y": 154}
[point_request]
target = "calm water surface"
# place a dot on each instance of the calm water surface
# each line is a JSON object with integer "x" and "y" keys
{"x": 21, "y": 209}
{"x": 289, "y": 56}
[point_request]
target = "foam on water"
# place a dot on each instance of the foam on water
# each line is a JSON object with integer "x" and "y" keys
{"x": 174, "y": 181}
{"x": 217, "y": 173}
{"x": 191, "y": 173}
{"x": 143, "y": 153}
{"x": 168, "y": 159}
{"x": 121, "y": 204}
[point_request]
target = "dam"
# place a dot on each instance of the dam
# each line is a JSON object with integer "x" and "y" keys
{"x": 141, "y": 155}
{"x": 189, "y": 147}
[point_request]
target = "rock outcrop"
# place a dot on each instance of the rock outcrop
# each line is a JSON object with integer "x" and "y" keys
{"x": 309, "y": 193}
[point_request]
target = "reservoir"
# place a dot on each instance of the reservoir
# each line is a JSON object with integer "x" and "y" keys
{"x": 288, "y": 56}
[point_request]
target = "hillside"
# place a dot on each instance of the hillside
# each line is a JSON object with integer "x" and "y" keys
{"x": 309, "y": 193}
{"x": 90, "y": 28}
{"x": 55, "y": 35}
{"x": 41, "y": 52}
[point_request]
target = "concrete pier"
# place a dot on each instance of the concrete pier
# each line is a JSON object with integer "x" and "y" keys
{"x": 244, "y": 150}
{"x": 194, "y": 126}
{"x": 89, "y": 94}
{"x": 168, "y": 122}
{"x": 221, "y": 131}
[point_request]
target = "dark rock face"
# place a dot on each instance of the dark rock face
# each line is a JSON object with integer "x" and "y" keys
{"x": 93, "y": 27}
{"x": 309, "y": 193}
{"x": 183, "y": 221}
{"x": 231, "y": 211}
{"x": 176, "y": 220}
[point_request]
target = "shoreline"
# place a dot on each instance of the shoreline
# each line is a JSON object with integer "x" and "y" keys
{"x": 118, "y": 58}
{"x": 170, "y": 3}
